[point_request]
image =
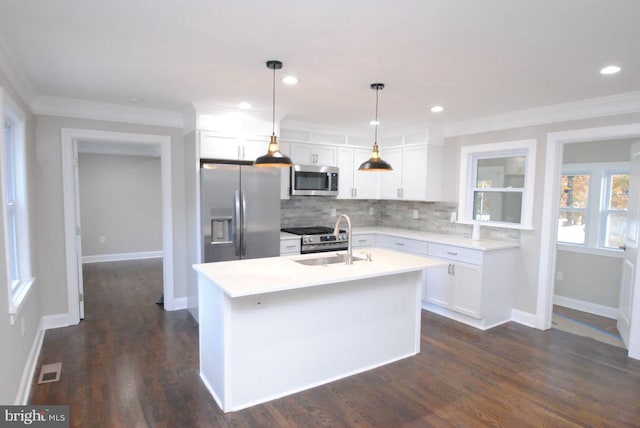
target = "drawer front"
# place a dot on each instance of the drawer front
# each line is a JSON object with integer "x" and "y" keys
{"x": 290, "y": 246}
{"x": 403, "y": 244}
{"x": 458, "y": 254}
{"x": 363, "y": 241}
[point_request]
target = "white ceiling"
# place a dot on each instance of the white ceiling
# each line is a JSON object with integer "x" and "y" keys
{"x": 477, "y": 58}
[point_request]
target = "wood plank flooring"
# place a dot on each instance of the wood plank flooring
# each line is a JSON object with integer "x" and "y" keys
{"x": 130, "y": 364}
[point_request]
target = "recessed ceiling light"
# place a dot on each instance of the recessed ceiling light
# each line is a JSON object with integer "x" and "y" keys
{"x": 374, "y": 122}
{"x": 437, "y": 109}
{"x": 610, "y": 69}
{"x": 244, "y": 106}
{"x": 290, "y": 80}
{"x": 134, "y": 100}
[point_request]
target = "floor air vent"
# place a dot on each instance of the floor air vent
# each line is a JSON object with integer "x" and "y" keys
{"x": 50, "y": 373}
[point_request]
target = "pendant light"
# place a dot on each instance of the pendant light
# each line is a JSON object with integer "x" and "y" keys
{"x": 274, "y": 157}
{"x": 375, "y": 162}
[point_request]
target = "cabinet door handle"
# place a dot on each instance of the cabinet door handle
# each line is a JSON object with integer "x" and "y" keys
{"x": 291, "y": 246}
{"x": 400, "y": 244}
{"x": 362, "y": 241}
{"x": 452, "y": 253}
{"x": 453, "y": 270}
{"x": 449, "y": 269}
{"x": 355, "y": 193}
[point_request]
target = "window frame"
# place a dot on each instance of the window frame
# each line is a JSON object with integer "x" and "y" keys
{"x": 469, "y": 156}
{"x": 597, "y": 207}
{"x": 18, "y": 250}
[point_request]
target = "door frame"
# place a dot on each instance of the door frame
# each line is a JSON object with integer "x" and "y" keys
{"x": 551, "y": 203}
{"x": 73, "y": 264}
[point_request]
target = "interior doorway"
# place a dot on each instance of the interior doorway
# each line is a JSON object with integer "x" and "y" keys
{"x": 554, "y": 150}
{"x": 593, "y": 193}
{"x": 115, "y": 142}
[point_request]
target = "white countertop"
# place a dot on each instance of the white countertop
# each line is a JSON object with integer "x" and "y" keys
{"x": 267, "y": 275}
{"x": 438, "y": 238}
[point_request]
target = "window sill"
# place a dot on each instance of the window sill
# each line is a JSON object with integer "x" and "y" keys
{"x": 499, "y": 225}
{"x": 18, "y": 297}
{"x": 618, "y": 254}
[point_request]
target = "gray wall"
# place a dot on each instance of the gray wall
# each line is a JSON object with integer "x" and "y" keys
{"x": 121, "y": 200}
{"x": 51, "y": 265}
{"x": 16, "y": 343}
{"x": 526, "y": 293}
{"x": 589, "y": 278}
{"x": 598, "y": 151}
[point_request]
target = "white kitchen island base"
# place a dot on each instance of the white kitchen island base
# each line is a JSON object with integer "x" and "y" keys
{"x": 259, "y": 347}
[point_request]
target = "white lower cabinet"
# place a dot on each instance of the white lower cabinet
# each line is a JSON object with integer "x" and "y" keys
{"x": 362, "y": 241}
{"x": 289, "y": 247}
{"x": 402, "y": 244}
{"x": 475, "y": 286}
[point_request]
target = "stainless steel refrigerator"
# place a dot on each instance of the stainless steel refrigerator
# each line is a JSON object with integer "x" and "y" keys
{"x": 240, "y": 211}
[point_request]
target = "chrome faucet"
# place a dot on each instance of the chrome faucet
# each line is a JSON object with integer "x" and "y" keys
{"x": 336, "y": 230}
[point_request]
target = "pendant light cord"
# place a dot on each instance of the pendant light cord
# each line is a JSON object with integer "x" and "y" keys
{"x": 375, "y": 137}
{"x": 273, "y": 122}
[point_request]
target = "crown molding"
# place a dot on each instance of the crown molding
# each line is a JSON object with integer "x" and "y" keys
{"x": 82, "y": 109}
{"x": 18, "y": 79}
{"x": 586, "y": 109}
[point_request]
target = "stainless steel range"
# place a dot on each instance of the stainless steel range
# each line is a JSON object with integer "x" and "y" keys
{"x": 319, "y": 239}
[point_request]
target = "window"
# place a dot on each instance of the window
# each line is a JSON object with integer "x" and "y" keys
{"x": 496, "y": 184}
{"x": 15, "y": 210}
{"x": 593, "y": 205}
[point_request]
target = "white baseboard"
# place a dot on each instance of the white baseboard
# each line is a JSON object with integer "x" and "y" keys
{"x": 122, "y": 256}
{"x": 30, "y": 368}
{"x": 524, "y": 318}
{"x": 581, "y": 305}
{"x": 55, "y": 321}
{"x": 175, "y": 304}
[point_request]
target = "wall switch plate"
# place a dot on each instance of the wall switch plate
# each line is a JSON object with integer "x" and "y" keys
{"x": 415, "y": 214}
{"x": 333, "y": 212}
{"x": 559, "y": 276}
{"x": 102, "y": 239}
{"x": 453, "y": 217}
{"x": 371, "y": 211}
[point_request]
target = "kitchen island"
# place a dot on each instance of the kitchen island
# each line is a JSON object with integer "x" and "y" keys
{"x": 272, "y": 327}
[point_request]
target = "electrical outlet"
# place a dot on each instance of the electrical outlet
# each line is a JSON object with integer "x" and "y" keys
{"x": 102, "y": 239}
{"x": 415, "y": 214}
{"x": 559, "y": 276}
{"x": 453, "y": 217}
{"x": 371, "y": 211}
{"x": 333, "y": 212}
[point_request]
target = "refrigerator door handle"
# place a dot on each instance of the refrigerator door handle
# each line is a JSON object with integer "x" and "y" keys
{"x": 237, "y": 219}
{"x": 244, "y": 225}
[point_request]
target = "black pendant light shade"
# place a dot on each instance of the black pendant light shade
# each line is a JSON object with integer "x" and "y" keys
{"x": 274, "y": 157}
{"x": 375, "y": 162}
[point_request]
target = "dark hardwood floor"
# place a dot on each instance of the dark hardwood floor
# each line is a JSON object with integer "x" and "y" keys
{"x": 130, "y": 364}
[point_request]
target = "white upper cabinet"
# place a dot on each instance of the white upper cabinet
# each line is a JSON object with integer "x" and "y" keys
{"x": 416, "y": 175}
{"x": 213, "y": 146}
{"x": 313, "y": 154}
{"x": 354, "y": 184}
{"x": 391, "y": 182}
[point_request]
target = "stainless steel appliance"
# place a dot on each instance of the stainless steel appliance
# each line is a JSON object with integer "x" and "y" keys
{"x": 313, "y": 180}
{"x": 240, "y": 211}
{"x": 319, "y": 239}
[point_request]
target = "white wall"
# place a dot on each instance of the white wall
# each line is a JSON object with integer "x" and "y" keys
{"x": 49, "y": 203}
{"x": 120, "y": 200}
{"x": 18, "y": 340}
{"x": 525, "y": 294}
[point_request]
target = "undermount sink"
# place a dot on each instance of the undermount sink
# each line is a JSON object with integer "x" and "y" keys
{"x": 323, "y": 261}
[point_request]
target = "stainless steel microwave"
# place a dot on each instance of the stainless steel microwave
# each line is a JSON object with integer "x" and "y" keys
{"x": 313, "y": 180}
